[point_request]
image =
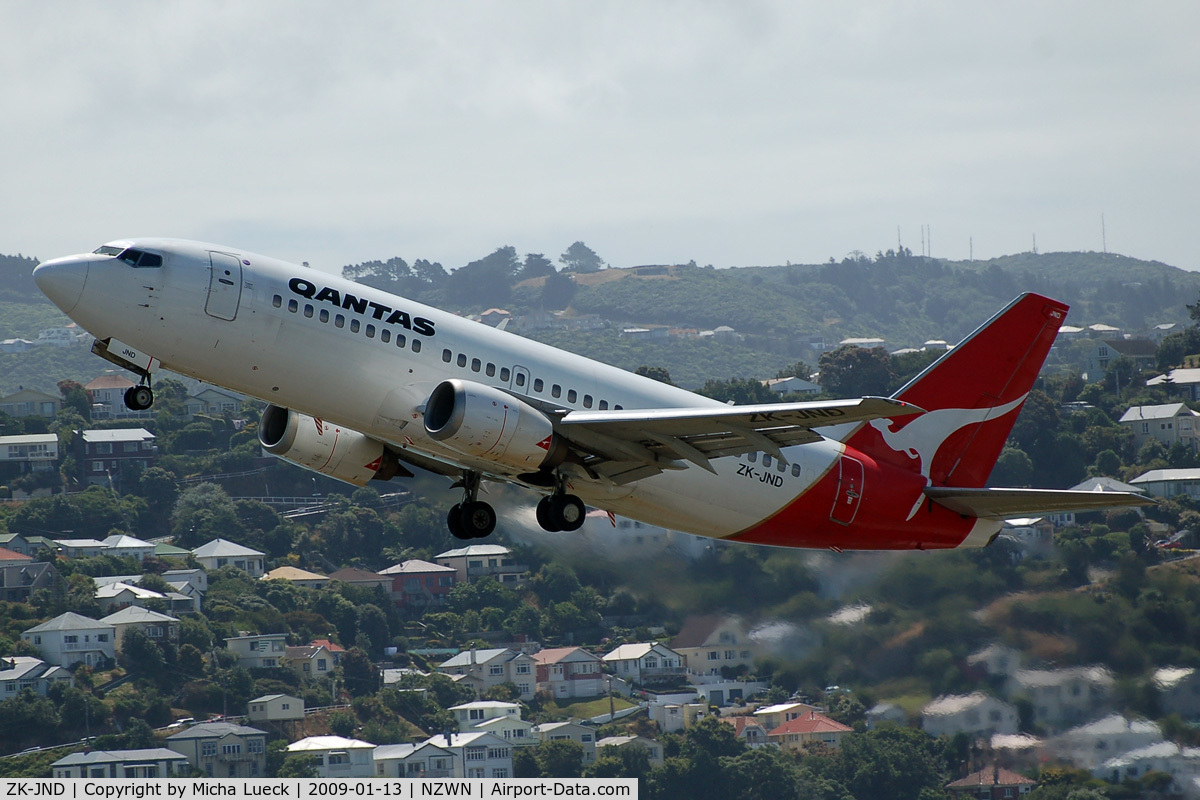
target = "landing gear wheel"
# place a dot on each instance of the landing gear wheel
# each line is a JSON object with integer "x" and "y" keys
{"x": 545, "y": 515}
{"x": 477, "y": 519}
{"x": 568, "y": 511}
{"x": 139, "y": 398}
{"x": 454, "y": 522}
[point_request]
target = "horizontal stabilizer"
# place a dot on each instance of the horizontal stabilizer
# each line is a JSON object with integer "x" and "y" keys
{"x": 1010, "y": 503}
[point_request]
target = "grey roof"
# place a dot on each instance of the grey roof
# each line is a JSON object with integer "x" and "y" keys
{"x": 464, "y": 659}
{"x": 1105, "y": 485}
{"x": 210, "y": 730}
{"x": 22, "y": 666}
{"x": 222, "y": 548}
{"x": 69, "y": 621}
{"x": 1157, "y": 475}
{"x": 118, "y": 435}
{"x": 111, "y": 756}
{"x": 476, "y": 550}
{"x": 1166, "y": 411}
{"x": 131, "y": 614}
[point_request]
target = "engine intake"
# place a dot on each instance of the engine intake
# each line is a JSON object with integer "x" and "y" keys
{"x": 485, "y": 422}
{"x": 326, "y": 448}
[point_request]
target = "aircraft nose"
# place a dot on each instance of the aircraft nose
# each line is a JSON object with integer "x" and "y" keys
{"x": 62, "y": 280}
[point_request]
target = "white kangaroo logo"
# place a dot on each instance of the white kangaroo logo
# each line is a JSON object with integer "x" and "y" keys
{"x": 925, "y": 435}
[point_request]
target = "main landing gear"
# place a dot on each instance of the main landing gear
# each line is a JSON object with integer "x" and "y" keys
{"x": 472, "y": 518}
{"x": 560, "y": 511}
{"x": 139, "y": 398}
{"x": 475, "y": 519}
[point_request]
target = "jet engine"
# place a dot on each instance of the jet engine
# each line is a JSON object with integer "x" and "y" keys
{"x": 485, "y": 422}
{"x": 327, "y": 448}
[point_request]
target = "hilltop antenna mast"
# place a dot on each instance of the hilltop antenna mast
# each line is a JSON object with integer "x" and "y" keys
{"x": 1035, "y": 244}
{"x": 922, "y": 239}
{"x": 899, "y": 247}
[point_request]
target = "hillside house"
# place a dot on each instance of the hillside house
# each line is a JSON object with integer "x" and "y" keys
{"x": 18, "y": 581}
{"x": 1168, "y": 483}
{"x": 361, "y": 577}
{"x": 1142, "y": 352}
{"x": 514, "y": 730}
{"x": 103, "y": 456}
{"x": 568, "y": 672}
{"x": 1165, "y": 757}
{"x": 275, "y": 708}
{"x": 29, "y": 452}
{"x": 18, "y": 673}
{"x": 297, "y": 577}
{"x": 223, "y": 749}
{"x": 259, "y": 650}
{"x": 645, "y": 663}
{"x": 420, "y": 584}
{"x": 553, "y": 731}
{"x": 476, "y": 754}
{"x": 708, "y": 643}
{"x": 337, "y": 756}
{"x": 30, "y": 403}
{"x": 1179, "y": 690}
{"x": 749, "y": 729}
{"x": 71, "y": 638}
{"x": 977, "y": 715}
{"x": 160, "y": 628}
{"x": 992, "y": 783}
{"x": 653, "y": 750}
{"x": 470, "y": 715}
{"x": 309, "y": 661}
{"x": 1064, "y": 697}
{"x": 419, "y": 760}
{"x": 221, "y": 553}
{"x": 493, "y": 667}
{"x": 484, "y": 560}
{"x": 773, "y": 716}
{"x": 1169, "y": 423}
{"x": 812, "y": 728}
{"x": 1089, "y": 746}
{"x": 155, "y": 762}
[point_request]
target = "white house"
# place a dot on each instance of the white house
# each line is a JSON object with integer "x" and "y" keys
{"x": 18, "y": 673}
{"x": 275, "y": 708}
{"x": 421, "y": 760}
{"x": 71, "y": 638}
{"x": 645, "y": 662}
{"x": 483, "y": 560}
{"x": 309, "y": 661}
{"x": 708, "y": 643}
{"x": 116, "y": 595}
{"x": 476, "y": 754}
{"x": 337, "y": 756}
{"x": 976, "y": 714}
{"x": 553, "y": 731}
{"x": 123, "y": 546}
{"x": 513, "y": 730}
{"x": 1168, "y": 483}
{"x": 1169, "y": 423}
{"x": 258, "y": 650}
{"x": 1063, "y": 697}
{"x": 1165, "y": 757}
{"x": 81, "y": 548}
{"x": 773, "y": 716}
{"x": 30, "y": 452}
{"x": 223, "y": 749}
{"x": 220, "y": 553}
{"x": 1089, "y": 746}
{"x": 156, "y": 762}
{"x": 493, "y": 667}
{"x": 1179, "y": 690}
{"x": 470, "y": 715}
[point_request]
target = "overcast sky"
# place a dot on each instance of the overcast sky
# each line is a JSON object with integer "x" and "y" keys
{"x": 731, "y": 133}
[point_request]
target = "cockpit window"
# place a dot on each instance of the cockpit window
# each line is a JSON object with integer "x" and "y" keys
{"x": 108, "y": 250}
{"x": 137, "y": 258}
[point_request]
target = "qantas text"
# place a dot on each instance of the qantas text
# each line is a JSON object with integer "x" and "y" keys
{"x": 358, "y": 305}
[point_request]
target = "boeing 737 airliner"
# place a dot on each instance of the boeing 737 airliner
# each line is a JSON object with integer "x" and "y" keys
{"x": 360, "y": 383}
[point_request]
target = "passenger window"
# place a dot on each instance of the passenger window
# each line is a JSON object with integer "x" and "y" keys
{"x": 339, "y": 321}
{"x": 400, "y": 340}
{"x": 292, "y": 306}
{"x": 447, "y": 355}
{"x": 538, "y": 385}
{"x": 781, "y": 466}
{"x": 370, "y": 331}
{"x": 604, "y": 405}
{"x": 462, "y": 359}
{"x": 752, "y": 457}
{"x": 556, "y": 390}
{"x": 385, "y": 336}
{"x": 505, "y": 374}
{"x": 416, "y": 346}
{"x": 795, "y": 470}
{"x": 766, "y": 460}
{"x": 277, "y": 301}
{"x": 572, "y": 396}
{"x": 490, "y": 371}
{"x": 324, "y": 315}
{"x": 617, "y": 407}
{"x": 476, "y": 365}
{"x": 587, "y": 401}
{"x": 354, "y": 326}
{"x": 308, "y": 310}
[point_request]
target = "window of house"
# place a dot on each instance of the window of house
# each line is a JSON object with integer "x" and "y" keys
{"x": 496, "y": 669}
{"x": 208, "y": 749}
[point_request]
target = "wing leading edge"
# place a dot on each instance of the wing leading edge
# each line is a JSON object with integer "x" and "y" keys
{"x": 1010, "y": 503}
{"x": 633, "y": 443}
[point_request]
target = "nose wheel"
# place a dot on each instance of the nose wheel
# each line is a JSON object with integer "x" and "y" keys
{"x": 139, "y": 398}
{"x": 472, "y": 518}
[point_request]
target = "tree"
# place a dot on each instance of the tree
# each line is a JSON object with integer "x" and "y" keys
{"x": 536, "y": 266}
{"x": 76, "y": 398}
{"x": 893, "y": 762}
{"x": 298, "y": 765}
{"x": 359, "y": 673}
{"x": 660, "y": 374}
{"x": 558, "y": 291}
{"x": 560, "y": 758}
{"x": 485, "y": 281}
{"x": 202, "y": 513}
{"x": 851, "y": 371}
{"x": 581, "y": 258}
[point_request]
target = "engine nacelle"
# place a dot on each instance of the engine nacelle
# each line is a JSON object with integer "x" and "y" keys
{"x": 485, "y": 422}
{"x": 326, "y": 448}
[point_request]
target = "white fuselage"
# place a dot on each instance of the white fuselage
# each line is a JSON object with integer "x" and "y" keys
{"x": 360, "y": 357}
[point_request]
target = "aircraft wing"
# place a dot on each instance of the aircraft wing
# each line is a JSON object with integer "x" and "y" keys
{"x": 1010, "y": 503}
{"x": 631, "y": 444}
